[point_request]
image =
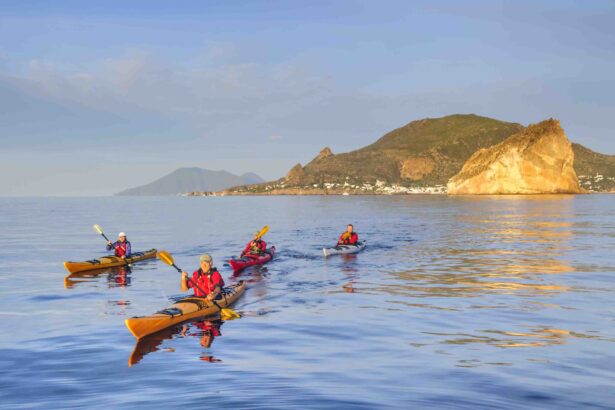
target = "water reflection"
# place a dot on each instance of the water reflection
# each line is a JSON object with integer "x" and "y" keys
{"x": 533, "y": 337}
{"x": 116, "y": 277}
{"x": 502, "y": 253}
{"x": 514, "y": 250}
{"x": 205, "y": 330}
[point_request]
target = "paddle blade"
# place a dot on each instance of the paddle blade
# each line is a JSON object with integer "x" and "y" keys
{"x": 165, "y": 257}
{"x": 229, "y": 314}
{"x": 97, "y": 229}
{"x": 263, "y": 231}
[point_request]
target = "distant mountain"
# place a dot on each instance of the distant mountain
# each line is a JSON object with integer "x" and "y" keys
{"x": 423, "y": 153}
{"x": 195, "y": 179}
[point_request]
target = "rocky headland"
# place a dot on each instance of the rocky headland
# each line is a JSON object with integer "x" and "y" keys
{"x": 423, "y": 155}
{"x": 537, "y": 160}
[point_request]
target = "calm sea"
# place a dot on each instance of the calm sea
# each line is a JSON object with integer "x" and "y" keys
{"x": 471, "y": 303}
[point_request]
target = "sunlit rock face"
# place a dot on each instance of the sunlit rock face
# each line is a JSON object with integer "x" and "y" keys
{"x": 295, "y": 174}
{"x": 415, "y": 169}
{"x": 538, "y": 160}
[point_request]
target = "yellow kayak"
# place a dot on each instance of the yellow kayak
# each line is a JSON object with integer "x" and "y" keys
{"x": 108, "y": 261}
{"x": 183, "y": 310}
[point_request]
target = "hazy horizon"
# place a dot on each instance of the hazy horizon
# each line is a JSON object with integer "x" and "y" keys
{"x": 96, "y": 98}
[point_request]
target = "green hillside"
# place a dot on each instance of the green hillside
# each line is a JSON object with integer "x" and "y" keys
{"x": 596, "y": 171}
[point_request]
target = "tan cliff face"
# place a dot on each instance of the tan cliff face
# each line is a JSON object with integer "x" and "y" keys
{"x": 538, "y": 160}
{"x": 415, "y": 169}
{"x": 295, "y": 173}
{"x": 324, "y": 153}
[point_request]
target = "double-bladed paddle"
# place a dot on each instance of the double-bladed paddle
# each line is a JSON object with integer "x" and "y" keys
{"x": 225, "y": 313}
{"x": 99, "y": 230}
{"x": 262, "y": 232}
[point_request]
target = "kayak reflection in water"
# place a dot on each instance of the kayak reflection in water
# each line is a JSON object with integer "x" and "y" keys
{"x": 122, "y": 246}
{"x": 206, "y": 281}
{"x": 119, "y": 277}
{"x": 350, "y": 237}
{"x": 206, "y": 330}
{"x": 255, "y": 247}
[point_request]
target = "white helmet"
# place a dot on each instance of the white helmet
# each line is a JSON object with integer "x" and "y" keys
{"x": 119, "y": 235}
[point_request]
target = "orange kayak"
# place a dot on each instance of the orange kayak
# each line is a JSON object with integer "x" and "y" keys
{"x": 108, "y": 262}
{"x": 183, "y": 310}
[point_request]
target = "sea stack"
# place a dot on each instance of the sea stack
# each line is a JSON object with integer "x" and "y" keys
{"x": 537, "y": 160}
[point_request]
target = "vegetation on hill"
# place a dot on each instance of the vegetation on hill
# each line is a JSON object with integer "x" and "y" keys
{"x": 596, "y": 172}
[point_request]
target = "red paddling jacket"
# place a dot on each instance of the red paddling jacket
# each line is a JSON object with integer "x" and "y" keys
{"x": 255, "y": 247}
{"x": 345, "y": 239}
{"x": 121, "y": 248}
{"x": 206, "y": 281}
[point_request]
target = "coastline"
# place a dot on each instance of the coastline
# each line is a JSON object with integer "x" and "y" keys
{"x": 319, "y": 192}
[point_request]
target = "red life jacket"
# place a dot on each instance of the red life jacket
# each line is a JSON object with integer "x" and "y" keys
{"x": 120, "y": 248}
{"x": 205, "y": 281}
{"x": 260, "y": 244}
{"x": 352, "y": 240}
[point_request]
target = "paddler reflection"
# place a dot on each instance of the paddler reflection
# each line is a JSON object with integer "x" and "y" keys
{"x": 119, "y": 277}
{"x": 206, "y": 330}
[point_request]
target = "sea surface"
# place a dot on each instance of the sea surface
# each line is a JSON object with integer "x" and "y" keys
{"x": 456, "y": 303}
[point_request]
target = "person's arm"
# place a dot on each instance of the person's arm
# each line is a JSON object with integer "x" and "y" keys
{"x": 218, "y": 282}
{"x": 263, "y": 246}
{"x": 247, "y": 249}
{"x": 184, "y": 286}
{"x": 110, "y": 246}
{"x": 214, "y": 294}
{"x": 128, "y": 249}
{"x": 354, "y": 239}
{"x": 341, "y": 240}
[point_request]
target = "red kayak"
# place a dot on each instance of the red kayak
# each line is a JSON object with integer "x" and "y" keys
{"x": 251, "y": 260}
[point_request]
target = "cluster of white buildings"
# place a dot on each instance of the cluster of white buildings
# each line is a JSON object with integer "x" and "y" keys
{"x": 588, "y": 181}
{"x": 379, "y": 187}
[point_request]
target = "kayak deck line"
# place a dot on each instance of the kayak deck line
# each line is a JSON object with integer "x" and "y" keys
{"x": 109, "y": 261}
{"x": 344, "y": 249}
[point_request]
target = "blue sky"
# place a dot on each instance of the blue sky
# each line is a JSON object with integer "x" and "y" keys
{"x": 96, "y": 97}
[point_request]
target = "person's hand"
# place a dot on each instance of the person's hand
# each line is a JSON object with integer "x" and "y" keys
{"x": 184, "y": 275}
{"x": 123, "y": 256}
{"x": 211, "y": 297}
{"x": 109, "y": 243}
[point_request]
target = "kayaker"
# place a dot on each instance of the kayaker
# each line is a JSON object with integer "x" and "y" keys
{"x": 256, "y": 246}
{"x": 208, "y": 280}
{"x": 350, "y": 237}
{"x": 121, "y": 246}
